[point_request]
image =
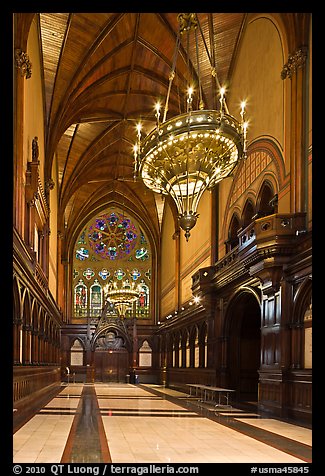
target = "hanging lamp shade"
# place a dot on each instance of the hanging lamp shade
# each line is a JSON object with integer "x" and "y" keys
{"x": 190, "y": 153}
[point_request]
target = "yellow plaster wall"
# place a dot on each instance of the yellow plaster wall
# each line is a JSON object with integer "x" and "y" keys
{"x": 196, "y": 253}
{"x": 168, "y": 263}
{"x": 257, "y": 78}
{"x": 33, "y": 107}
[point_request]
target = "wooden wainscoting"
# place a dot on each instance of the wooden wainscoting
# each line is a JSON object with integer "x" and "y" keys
{"x": 299, "y": 395}
{"x": 32, "y": 388}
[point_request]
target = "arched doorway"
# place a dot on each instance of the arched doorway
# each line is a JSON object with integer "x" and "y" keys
{"x": 243, "y": 328}
{"x": 111, "y": 354}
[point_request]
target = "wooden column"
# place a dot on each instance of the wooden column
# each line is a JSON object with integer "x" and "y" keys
{"x": 220, "y": 353}
{"x": 46, "y": 350}
{"x": 60, "y": 297}
{"x": 49, "y": 185}
{"x": 16, "y": 341}
{"x": 295, "y": 71}
{"x": 41, "y": 348}
{"x": 296, "y": 345}
{"x": 66, "y": 290}
{"x": 26, "y": 345}
{"x": 134, "y": 344}
{"x": 21, "y": 73}
{"x": 176, "y": 237}
{"x": 34, "y": 352}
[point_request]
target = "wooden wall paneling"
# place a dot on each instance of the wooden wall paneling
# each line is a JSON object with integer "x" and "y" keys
{"x": 111, "y": 366}
{"x": 33, "y": 387}
{"x": 299, "y": 398}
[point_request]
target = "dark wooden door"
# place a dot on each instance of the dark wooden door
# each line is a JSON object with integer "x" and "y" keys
{"x": 111, "y": 365}
{"x": 244, "y": 347}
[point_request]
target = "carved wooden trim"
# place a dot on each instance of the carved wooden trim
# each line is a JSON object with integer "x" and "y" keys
{"x": 23, "y": 63}
{"x": 49, "y": 185}
{"x": 295, "y": 61}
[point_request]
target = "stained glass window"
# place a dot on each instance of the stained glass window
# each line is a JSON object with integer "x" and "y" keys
{"x": 95, "y": 298}
{"x": 80, "y": 298}
{"x": 88, "y": 273}
{"x": 110, "y": 247}
{"x": 112, "y": 236}
{"x": 135, "y": 273}
{"x": 104, "y": 273}
{"x": 82, "y": 254}
{"x": 119, "y": 274}
{"x": 142, "y": 254}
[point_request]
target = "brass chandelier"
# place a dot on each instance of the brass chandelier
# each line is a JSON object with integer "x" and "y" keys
{"x": 122, "y": 295}
{"x": 193, "y": 151}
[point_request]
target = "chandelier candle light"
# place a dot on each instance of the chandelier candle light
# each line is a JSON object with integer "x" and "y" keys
{"x": 193, "y": 151}
{"x": 122, "y": 296}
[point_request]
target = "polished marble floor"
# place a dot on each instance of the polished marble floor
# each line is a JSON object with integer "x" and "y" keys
{"x": 124, "y": 423}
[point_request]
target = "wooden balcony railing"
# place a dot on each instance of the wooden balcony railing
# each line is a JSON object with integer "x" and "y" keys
{"x": 275, "y": 233}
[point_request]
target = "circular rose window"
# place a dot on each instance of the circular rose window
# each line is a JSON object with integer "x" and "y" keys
{"x": 112, "y": 236}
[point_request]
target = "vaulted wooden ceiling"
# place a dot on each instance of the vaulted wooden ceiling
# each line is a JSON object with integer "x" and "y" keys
{"x": 103, "y": 72}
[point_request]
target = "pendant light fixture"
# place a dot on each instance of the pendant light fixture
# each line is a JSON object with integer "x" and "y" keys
{"x": 187, "y": 154}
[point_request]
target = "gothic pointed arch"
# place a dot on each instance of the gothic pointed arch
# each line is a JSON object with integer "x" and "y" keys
{"x": 248, "y": 213}
{"x": 234, "y": 226}
{"x": 112, "y": 334}
{"x": 16, "y": 299}
{"x": 26, "y": 308}
{"x": 302, "y": 299}
{"x": 301, "y": 326}
{"x": 111, "y": 247}
{"x": 77, "y": 342}
{"x": 266, "y": 203}
{"x": 264, "y": 162}
{"x": 203, "y": 345}
{"x": 194, "y": 345}
{"x": 242, "y": 331}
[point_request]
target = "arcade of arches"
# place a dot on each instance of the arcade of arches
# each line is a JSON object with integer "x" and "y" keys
{"x": 232, "y": 307}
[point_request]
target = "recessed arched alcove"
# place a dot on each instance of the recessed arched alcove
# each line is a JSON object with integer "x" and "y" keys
{"x": 266, "y": 200}
{"x": 233, "y": 239}
{"x": 248, "y": 213}
{"x": 243, "y": 334}
{"x": 112, "y": 352}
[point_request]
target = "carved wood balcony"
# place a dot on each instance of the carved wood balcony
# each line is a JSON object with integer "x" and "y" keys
{"x": 273, "y": 238}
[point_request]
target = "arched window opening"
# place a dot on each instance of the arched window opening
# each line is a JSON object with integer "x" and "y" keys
{"x": 80, "y": 299}
{"x": 205, "y": 363}
{"x": 233, "y": 239}
{"x": 175, "y": 346}
{"x": 143, "y": 301}
{"x": 111, "y": 247}
{"x": 267, "y": 202}
{"x": 196, "y": 350}
{"x": 248, "y": 214}
{"x": 180, "y": 352}
{"x": 96, "y": 298}
{"x": 187, "y": 352}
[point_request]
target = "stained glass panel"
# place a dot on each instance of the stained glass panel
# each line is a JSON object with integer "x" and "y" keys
{"x": 112, "y": 236}
{"x": 80, "y": 298}
{"x": 95, "y": 298}
{"x": 111, "y": 247}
